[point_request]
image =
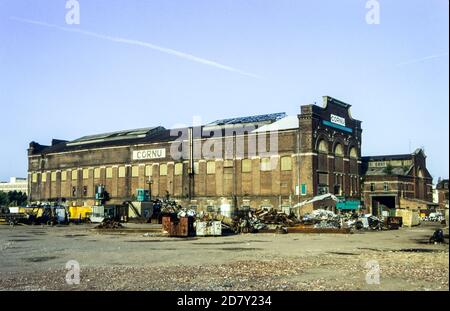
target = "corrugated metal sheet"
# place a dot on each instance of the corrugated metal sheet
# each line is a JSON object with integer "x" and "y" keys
{"x": 250, "y": 119}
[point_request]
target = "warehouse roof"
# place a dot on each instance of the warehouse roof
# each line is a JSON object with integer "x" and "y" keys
{"x": 265, "y": 118}
{"x": 287, "y": 123}
{"x": 156, "y": 134}
{"x": 114, "y": 136}
{"x": 392, "y": 157}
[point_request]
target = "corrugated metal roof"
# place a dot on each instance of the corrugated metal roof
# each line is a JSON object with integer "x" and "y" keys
{"x": 269, "y": 118}
{"x": 287, "y": 123}
{"x": 114, "y": 136}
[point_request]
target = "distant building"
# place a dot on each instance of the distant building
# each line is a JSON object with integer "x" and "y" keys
{"x": 15, "y": 184}
{"x": 442, "y": 194}
{"x": 397, "y": 181}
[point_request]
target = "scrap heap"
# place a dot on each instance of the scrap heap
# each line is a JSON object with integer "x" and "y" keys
{"x": 170, "y": 207}
{"x": 109, "y": 224}
{"x": 321, "y": 218}
{"x": 264, "y": 218}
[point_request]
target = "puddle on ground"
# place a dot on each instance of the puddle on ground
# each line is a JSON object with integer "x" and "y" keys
{"x": 418, "y": 250}
{"x": 240, "y": 249}
{"x": 219, "y": 243}
{"x": 40, "y": 259}
{"x": 23, "y": 240}
{"x": 74, "y": 235}
{"x": 143, "y": 241}
{"x": 344, "y": 254}
{"x": 229, "y": 242}
{"x": 20, "y": 236}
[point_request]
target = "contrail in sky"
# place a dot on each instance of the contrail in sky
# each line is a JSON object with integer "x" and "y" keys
{"x": 158, "y": 48}
{"x": 419, "y": 60}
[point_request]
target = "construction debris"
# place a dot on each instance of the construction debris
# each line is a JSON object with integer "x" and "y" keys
{"x": 265, "y": 218}
{"x": 170, "y": 207}
{"x": 109, "y": 224}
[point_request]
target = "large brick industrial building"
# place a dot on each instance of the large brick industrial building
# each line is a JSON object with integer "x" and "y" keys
{"x": 318, "y": 152}
{"x": 227, "y": 162}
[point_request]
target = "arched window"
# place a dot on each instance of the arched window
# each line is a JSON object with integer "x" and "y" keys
{"x": 353, "y": 153}
{"x": 338, "y": 150}
{"x": 420, "y": 173}
{"x": 323, "y": 146}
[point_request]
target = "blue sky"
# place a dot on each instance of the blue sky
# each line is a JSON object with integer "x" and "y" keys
{"x": 64, "y": 84}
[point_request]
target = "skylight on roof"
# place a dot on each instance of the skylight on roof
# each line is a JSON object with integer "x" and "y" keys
{"x": 113, "y": 136}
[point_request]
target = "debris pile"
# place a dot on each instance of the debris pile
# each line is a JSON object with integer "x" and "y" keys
{"x": 109, "y": 224}
{"x": 264, "y": 218}
{"x": 326, "y": 219}
{"x": 170, "y": 207}
{"x": 322, "y": 219}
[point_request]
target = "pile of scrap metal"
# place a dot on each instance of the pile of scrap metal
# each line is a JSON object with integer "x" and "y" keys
{"x": 170, "y": 207}
{"x": 327, "y": 219}
{"x": 264, "y": 218}
{"x": 228, "y": 225}
{"x": 109, "y": 224}
{"x": 321, "y": 218}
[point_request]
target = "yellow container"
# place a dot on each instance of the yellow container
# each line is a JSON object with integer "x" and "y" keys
{"x": 79, "y": 212}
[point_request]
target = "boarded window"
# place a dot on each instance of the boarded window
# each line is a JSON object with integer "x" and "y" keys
{"x": 148, "y": 170}
{"x": 109, "y": 172}
{"x": 135, "y": 171}
{"x": 53, "y": 176}
{"x": 246, "y": 166}
{"x": 265, "y": 164}
{"x": 74, "y": 174}
{"x": 286, "y": 163}
{"x": 85, "y": 173}
{"x": 63, "y": 175}
{"x": 323, "y": 179}
{"x": 163, "y": 170}
{"x": 122, "y": 172}
{"x": 34, "y": 178}
{"x": 338, "y": 150}
{"x": 353, "y": 153}
{"x": 323, "y": 146}
{"x": 44, "y": 177}
{"x": 178, "y": 169}
{"x": 97, "y": 172}
{"x": 211, "y": 167}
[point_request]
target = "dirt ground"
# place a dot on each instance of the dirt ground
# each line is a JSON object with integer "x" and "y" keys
{"x": 35, "y": 257}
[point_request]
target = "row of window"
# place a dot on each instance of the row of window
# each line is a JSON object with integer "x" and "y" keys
{"x": 405, "y": 187}
{"x": 267, "y": 164}
{"x": 338, "y": 150}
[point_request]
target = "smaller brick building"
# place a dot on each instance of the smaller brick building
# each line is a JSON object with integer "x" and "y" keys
{"x": 394, "y": 181}
{"x": 442, "y": 194}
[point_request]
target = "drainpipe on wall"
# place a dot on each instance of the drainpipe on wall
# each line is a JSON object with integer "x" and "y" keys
{"x": 191, "y": 162}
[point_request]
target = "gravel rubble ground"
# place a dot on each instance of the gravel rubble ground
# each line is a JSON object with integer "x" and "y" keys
{"x": 36, "y": 262}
